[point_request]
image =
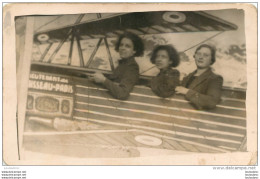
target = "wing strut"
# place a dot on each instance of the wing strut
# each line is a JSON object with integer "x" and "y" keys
{"x": 94, "y": 52}
{"x": 71, "y": 47}
{"x": 109, "y": 55}
{"x": 59, "y": 46}
{"x": 45, "y": 52}
{"x": 63, "y": 41}
{"x": 80, "y": 51}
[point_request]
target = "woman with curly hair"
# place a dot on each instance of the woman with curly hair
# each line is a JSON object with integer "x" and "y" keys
{"x": 165, "y": 57}
{"x": 126, "y": 75}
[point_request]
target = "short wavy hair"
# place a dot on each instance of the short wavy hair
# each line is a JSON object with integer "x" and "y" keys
{"x": 172, "y": 53}
{"x": 137, "y": 41}
{"x": 212, "y": 51}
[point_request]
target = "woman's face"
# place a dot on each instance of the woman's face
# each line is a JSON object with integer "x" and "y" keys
{"x": 126, "y": 48}
{"x": 162, "y": 59}
{"x": 203, "y": 58}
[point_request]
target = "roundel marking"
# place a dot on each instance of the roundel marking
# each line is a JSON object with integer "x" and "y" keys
{"x": 174, "y": 17}
{"x": 43, "y": 37}
{"x": 148, "y": 140}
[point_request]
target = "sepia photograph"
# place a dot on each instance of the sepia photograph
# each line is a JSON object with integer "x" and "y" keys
{"x": 131, "y": 84}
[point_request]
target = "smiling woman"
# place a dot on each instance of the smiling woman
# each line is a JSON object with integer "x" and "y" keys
{"x": 202, "y": 87}
{"x": 126, "y": 75}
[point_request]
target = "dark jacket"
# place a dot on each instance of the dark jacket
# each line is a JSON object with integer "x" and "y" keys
{"x": 123, "y": 79}
{"x": 165, "y": 82}
{"x": 205, "y": 90}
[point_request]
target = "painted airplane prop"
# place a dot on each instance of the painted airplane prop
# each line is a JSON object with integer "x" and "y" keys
{"x": 66, "y": 112}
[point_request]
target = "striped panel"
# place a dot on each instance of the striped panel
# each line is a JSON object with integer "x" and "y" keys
{"x": 233, "y": 103}
{"x": 208, "y": 28}
{"x": 140, "y": 112}
{"x": 225, "y": 126}
{"x": 135, "y": 31}
{"x": 190, "y": 27}
{"x": 103, "y": 99}
{"x": 170, "y": 103}
{"x": 162, "y": 29}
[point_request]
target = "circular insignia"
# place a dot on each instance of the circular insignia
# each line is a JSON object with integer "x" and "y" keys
{"x": 174, "y": 17}
{"x": 148, "y": 140}
{"x": 43, "y": 37}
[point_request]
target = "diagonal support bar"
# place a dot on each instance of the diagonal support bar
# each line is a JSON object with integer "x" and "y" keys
{"x": 109, "y": 55}
{"x": 71, "y": 47}
{"x": 59, "y": 46}
{"x": 80, "y": 51}
{"x": 94, "y": 52}
{"x": 45, "y": 52}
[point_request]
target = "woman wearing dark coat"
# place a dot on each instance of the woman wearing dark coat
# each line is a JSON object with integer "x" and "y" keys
{"x": 165, "y": 57}
{"x": 202, "y": 87}
{"x": 126, "y": 75}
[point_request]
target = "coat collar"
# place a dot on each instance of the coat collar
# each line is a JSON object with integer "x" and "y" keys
{"x": 200, "y": 78}
{"x": 127, "y": 61}
{"x": 164, "y": 71}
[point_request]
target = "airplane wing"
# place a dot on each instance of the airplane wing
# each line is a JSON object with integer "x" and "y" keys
{"x": 140, "y": 23}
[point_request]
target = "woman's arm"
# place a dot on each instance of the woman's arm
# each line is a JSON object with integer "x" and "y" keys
{"x": 212, "y": 96}
{"x": 122, "y": 90}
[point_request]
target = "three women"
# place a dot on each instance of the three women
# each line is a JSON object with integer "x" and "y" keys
{"x": 201, "y": 87}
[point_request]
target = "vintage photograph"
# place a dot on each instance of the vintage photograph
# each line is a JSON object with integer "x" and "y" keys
{"x": 134, "y": 84}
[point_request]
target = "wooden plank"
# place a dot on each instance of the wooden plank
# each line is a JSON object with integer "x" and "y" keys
{"x": 189, "y": 147}
{"x": 80, "y": 150}
{"x": 187, "y": 107}
{"x": 164, "y": 102}
{"x": 158, "y": 126}
{"x": 210, "y": 142}
{"x": 206, "y": 150}
{"x": 176, "y": 120}
{"x": 101, "y": 140}
{"x": 162, "y": 111}
{"x": 168, "y": 146}
{"x": 180, "y": 135}
{"x": 229, "y": 104}
{"x": 108, "y": 139}
{"x": 120, "y": 138}
{"x": 148, "y": 91}
{"x": 175, "y": 144}
{"x": 154, "y": 116}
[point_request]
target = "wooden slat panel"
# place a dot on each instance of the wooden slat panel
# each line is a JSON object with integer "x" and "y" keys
{"x": 205, "y": 150}
{"x": 175, "y": 144}
{"x": 189, "y": 147}
{"x": 149, "y": 115}
{"x": 108, "y": 139}
{"x": 210, "y": 142}
{"x": 163, "y": 102}
{"x": 168, "y": 120}
{"x": 168, "y": 146}
{"x": 187, "y": 107}
{"x": 147, "y": 109}
{"x": 120, "y": 139}
{"x": 181, "y": 135}
{"x": 158, "y": 126}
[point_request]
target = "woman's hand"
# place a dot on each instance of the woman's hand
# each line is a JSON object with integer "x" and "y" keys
{"x": 181, "y": 90}
{"x": 97, "y": 77}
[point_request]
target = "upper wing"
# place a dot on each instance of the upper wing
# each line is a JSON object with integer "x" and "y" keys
{"x": 139, "y": 23}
